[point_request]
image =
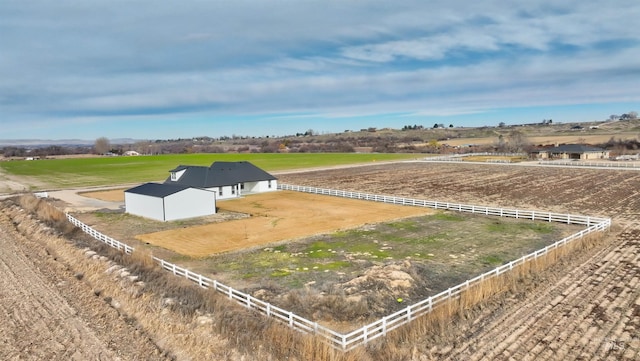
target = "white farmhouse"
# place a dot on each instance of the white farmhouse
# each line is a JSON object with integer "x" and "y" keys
{"x": 227, "y": 179}
{"x": 169, "y": 202}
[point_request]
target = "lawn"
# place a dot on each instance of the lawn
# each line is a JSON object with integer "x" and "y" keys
{"x": 107, "y": 171}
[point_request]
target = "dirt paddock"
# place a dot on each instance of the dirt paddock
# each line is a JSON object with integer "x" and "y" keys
{"x": 276, "y": 216}
{"x": 112, "y": 195}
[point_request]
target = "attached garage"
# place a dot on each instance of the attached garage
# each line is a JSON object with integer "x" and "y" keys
{"x": 169, "y": 202}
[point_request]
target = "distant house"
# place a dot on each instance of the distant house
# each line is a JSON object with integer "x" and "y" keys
{"x": 131, "y": 153}
{"x": 573, "y": 151}
{"x": 226, "y": 179}
{"x": 169, "y": 202}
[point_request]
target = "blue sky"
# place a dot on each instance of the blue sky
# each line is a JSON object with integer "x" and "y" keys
{"x": 158, "y": 70}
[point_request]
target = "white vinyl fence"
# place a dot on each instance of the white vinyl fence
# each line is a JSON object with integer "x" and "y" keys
{"x": 380, "y": 327}
{"x": 623, "y": 165}
{"x": 99, "y": 236}
{"x": 460, "y": 157}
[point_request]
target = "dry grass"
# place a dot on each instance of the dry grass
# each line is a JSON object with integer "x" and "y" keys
{"x": 440, "y": 322}
{"x": 188, "y": 322}
{"x": 46, "y": 212}
{"x": 185, "y": 321}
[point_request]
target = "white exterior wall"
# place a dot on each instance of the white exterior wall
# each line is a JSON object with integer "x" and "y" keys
{"x": 176, "y": 175}
{"x": 144, "y": 206}
{"x": 596, "y": 155}
{"x": 189, "y": 203}
{"x": 261, "y": 186}
{"x": 226, "y": 192}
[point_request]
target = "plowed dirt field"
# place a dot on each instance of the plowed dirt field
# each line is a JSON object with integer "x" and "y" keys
{"x": 589, "y": 310}
{"x": 46, "y": 313}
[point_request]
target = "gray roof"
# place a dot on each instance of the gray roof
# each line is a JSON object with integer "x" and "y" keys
{"x": 219, "y": 174}
{"x": 158, "y": 190}
{"x": 574, "y": 148}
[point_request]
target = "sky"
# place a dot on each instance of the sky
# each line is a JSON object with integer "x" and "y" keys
{"x": 167, "y": 70}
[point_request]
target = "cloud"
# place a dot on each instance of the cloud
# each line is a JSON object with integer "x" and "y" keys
{"x": 77, "y": 60}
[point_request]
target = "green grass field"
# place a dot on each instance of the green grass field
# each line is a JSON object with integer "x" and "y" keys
{"x": 109, "y": 171}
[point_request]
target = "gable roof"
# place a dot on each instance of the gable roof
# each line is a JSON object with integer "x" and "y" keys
{"x": 158, "y": 190}
{"x": 574, "y": 148}
{"x": 219, "y": 174}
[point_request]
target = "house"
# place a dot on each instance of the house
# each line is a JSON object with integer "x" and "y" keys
{"x": 573, "y": 151}
{"x": 226, "y": 179}
{"x": 169, "y": 202}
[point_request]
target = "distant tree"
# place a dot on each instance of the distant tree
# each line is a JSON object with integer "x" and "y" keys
{"x": 501, "y": 125}
{"x": 102, "y": 145}
{"x": 613, "y": 117}
{"x": 450, "y": 125}
{"x": 518, "y": 142}
{"x": 633, "y": 115}
{"x": 435, "y": 126}
{"x": 501, "y": 145}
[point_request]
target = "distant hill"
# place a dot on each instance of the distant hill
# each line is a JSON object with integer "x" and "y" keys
{"x": 38, "y": 143}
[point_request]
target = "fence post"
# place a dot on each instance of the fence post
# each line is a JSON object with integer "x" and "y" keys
{"x": 384, "y": 326}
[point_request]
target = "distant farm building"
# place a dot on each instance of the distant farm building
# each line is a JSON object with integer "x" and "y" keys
{"x": 167, "y": 202}
{"x": 227, "y": 179}
{"x": 573, "y": 151}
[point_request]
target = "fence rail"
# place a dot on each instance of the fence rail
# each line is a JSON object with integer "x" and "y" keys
{"x": 489, "y": 211}
{"x": 621, "y": 164}
{"x": 390, "y": 322}
{"x": 460, "y": 157}
{"x": 99, "y": 236}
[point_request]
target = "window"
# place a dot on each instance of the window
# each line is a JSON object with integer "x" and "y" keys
{"x": 242, "y": 186}
{"x": 269, "y": 184}
{"x": 174, "y": 176}
{"x": 220, "y": 191}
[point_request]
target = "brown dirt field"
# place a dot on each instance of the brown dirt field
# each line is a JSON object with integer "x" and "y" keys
{"x": 47, "y": 313}
{"x": 586, "y": 308}
{"x": 113, "y": 195}
{"x": 276, "y": 216}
